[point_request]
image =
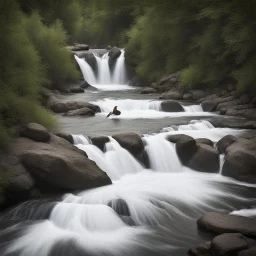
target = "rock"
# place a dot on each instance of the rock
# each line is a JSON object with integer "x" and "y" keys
{"x": 91, "y": 60}
{"x": 35, "y": 132}
{"x": 254, "y": 100}
{"x": 131, "y": 142}
{"x": 223, "y": 111}
{"x": 109, "y": 47}
{"x": 249, "y": 113}
{"x": 100, "y": 141}
{"x": 171, "y": 95}
{"x": 204, "y": 141}
{"x": 224, "y": 92}
{"x": 79, "y": 47}
{"x": 114, "y": 53}
{"x": 188, "y": 96}
{"x": 240, "y": 160}
{"x": 199, "y": 157}
{"x": 179, "y": 138}
{"x": 220, "y": 223}
{"x": 225, "y": 142}
{"x": 120, "y": 207}
{"x": 56, "y": 92}
{"x": 227, "y": 104}
{"x": 80, "y": 112}
{"x": 84, "y": 85}
{"x": 230, "y": 244}
{"x": 201, "y": 250}
{"x": 248, "y": 252}
{"x": 68, "y": 137}
{"x": 171, "y": 106}
{"x": 76, "y": 90}
{"x": 15, "y": 180}
{"x": 198, "y": 94}
{"x": 59, "y": 163}
{"x": 209, "y": 106}
{"x": 250, "y": 125}
{"x": 245, "y": 98}
{"x": 148, "y": 90}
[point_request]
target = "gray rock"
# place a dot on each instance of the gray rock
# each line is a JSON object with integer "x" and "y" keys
{"x": 59, "y": 163}
{"x": 179, "y": 138}
{"x": 227, "y": 104}
{"x": 171, "y": 95}
{"x": 198, "y": 94}
{"x": 188, "y": 96}
{"x": 68, "y": 137}
{"x": 201, "y": 250}
{"x": 225, "y": 142}
{"x": 35, "y": 132}
{"x": 114, "y": 53}
{"x": 204, "y": 141}
{"x": 245, "y": 98}
{"x": 100, "y": 141}
{"x": 220, "y": 223}
{"x": 76, "y": 90}
{"x": 171, "y": 106}
{"x": 80, "y": 112}
{"x": 148, "y": 90}
{"x": 209, "y": 106}
{"x": 79, "y": 47}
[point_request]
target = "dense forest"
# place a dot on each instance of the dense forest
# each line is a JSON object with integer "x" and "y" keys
{"x": 209, "y": 42}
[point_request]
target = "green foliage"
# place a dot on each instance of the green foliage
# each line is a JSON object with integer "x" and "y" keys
{"x": 191, "y": 77}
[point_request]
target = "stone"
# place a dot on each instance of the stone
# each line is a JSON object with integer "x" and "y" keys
{"x": 114, "y": 53}
{"x": 84, "y": 85}
{"x": 245, "y": 98}
{"x": 179, "y": 138}
{"x": 171, "y": 106}
{"x": 35, "y": 132}
{"x": 171, "y": 95}
{"x": 225, "y": 142}
{"x": 80, "y": 112}
{"x": 220, "y": 223}
{"x": 68, "y": 137}
{"x": 198, "y": 94}
{"x": 188, "y": 96}
{"x": 100, "y": 141}
{"x": 209, "y": 106}
{"x": 227, "y": 104}
{"x": 148, "y": 90}
{"x": 79, "y": 47}
{"x": 204, "y": 141}
{"x": 201, "y": 250}
{"x": 59, "y": 164}
{"x": 76, "y": 90}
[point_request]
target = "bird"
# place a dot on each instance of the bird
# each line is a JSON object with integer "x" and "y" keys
{"x": 115, "y": 112}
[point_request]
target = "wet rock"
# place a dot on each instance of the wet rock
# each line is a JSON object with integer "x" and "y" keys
{"x": 119, "y": 206}
{"x": 204, "y": 141}
{"x": 225, "y": 142}
{"x": 240, "y": 160}
{"x": 79, "y": 47}
{"x": 100, "y": 141}
{"x": 201, "y": 250}
{"x": 188, "y": 96}
{"x": 209, "y": 106}
{"x": 171, "y": 106}
{"x": 68, "y": 137}
{"x": 35, "y": 132}
{"x": 249, "y": 113}
{"x": 179, "y": 138}
{"x": 76, "y": 90}
{"x": 114, "y": 53}
{"x": 227, "y": 104}
{"x": 84, "y": 85}
{"x": 148, "y": 90}
{"x": 59, "y": 163}
{"x": 230, "y": 244}
{"x": 171, "y": 95}
{"x": 80, "y": 112}
{"x": 220, "y": 223}
{"x": 198, "y": 94}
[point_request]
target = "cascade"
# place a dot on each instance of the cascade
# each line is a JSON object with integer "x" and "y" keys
{"x": 119, "y": 74}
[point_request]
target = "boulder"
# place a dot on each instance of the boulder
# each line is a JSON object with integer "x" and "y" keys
{"x": 199, "y": 157}
{"x": 91, "y": 60}
{"x": 172, "y": 95}
{"x": 245, "y": 98}
{"x": 84, "y": 85}
{"x": 131, "y": 142}
{"x": 204, "y": 141}
{"x": 79, "y": 47}
{"x": 179, "y": 138}
{"x": 220, "y": 223}
{"x": 234, "y": 111}
{"x": 148, "y": 90}
{"x": 76, "y": 90}
{"x": 16, "y": 181}
{"x": 188, "y": 96}
{"x": 198, "y": 94}
{"x": 225, "y": 142}
{"x": 35, "y": 132}
{"x": 114, "y": 53}
{"x": 201, "y": 250}
{"x": 230, "y": 244}
{"x": 80, "y": 112}
{"x": 68, "y": 137}
{"x": 209, "y": 106}
{"x": 171, "y": 106}
{"x": 240, "y": 160}
{"x": 59, "y": 163}
{"x": 227, "y": 104}
{"x": 100, "y": 141}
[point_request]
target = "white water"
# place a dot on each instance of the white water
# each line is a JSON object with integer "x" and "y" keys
{"x": 106, "y": 81}
{"x": 134, "y": 109}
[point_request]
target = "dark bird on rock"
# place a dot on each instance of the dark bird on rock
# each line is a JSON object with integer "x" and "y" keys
{"x": 115, "y": 112}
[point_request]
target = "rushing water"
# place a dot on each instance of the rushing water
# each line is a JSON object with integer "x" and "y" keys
{"x": 145, "y": 212}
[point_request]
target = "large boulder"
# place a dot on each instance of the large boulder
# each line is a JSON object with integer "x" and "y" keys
{"x": 79, "y": 47}
{"x": 148, "y": 90}
{"x": 131, "y": 142}
{"x": 201, "y": 250}
{"x": 198, "y": 94}
{"x": 204, "y": 141}
{"x": 227, "y": 104}
{"x": 247, "y": 112}
{"x": 225, "y": 142}
{"x": 179, "y": 138}
{"x": 240, "y": 160}
{"x": 100, "y": 141}
{"x": 209, "y": 106}
{"x": 80, "y": 112}
{"x": 59, "y": 163}
{"x": 171, "y": 106}
{"x": 67, "y": 136}
{"x": 91, "y": 60}
{"x": 35, "y": 132}
{"x": 220, "y": 223}
{"x": 171, "y": 95}
{"x": 230, "y": 244}
{"x": 113, "y": 54}
{"x": 188, "y": 96}
{"x": 199, "y": 157}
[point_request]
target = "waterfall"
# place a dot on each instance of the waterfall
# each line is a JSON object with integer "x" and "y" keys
{"x": 119, "y": 74}
{"x": 193, "y": 108}
{"x": 87, "y": 71}
{"x": 104, "y": 76}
